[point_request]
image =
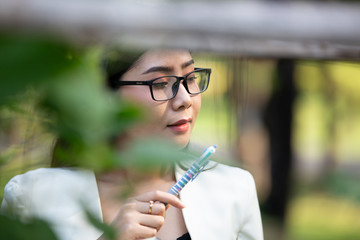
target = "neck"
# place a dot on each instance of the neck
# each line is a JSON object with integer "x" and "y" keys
{"x": 130, "y": 175}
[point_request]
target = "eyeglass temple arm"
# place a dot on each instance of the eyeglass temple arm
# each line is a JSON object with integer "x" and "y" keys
{"x": 122, "y": 83}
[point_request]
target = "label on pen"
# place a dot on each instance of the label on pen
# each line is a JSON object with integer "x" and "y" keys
{"x": 194, "y": 170}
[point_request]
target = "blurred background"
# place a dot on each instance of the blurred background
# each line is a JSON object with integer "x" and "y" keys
{"x": 284, "y": 103}
{"x": 296, "y": 130}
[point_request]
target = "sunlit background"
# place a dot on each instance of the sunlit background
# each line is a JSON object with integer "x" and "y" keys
{"x": 324, "y": 200}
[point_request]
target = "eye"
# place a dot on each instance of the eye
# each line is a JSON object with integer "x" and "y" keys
{"x": 160, "y": 84}
{"x": 191, "y": 78}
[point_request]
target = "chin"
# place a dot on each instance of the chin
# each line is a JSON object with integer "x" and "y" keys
{"x": 181, "y": 141}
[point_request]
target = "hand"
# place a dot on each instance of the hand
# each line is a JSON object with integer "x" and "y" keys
{"x": 134, "y": 220}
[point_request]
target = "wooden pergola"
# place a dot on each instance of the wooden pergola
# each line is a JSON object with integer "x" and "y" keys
{"x": 250, "y": 28}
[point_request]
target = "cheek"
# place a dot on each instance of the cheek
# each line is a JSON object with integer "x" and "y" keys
{"x": 138, "y": 94}
{"x": 154, "y": 111}
{"x": 196, "y": 105}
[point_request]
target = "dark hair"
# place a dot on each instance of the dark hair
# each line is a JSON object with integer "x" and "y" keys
{"x": 116, "y": 62}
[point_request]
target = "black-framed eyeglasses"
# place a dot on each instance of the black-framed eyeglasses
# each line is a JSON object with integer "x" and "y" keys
{"x": 166, "y": 87}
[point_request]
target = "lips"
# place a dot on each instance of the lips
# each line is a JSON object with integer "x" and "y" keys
{"x": 180, "y": 126}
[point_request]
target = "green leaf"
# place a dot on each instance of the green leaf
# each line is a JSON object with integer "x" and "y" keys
{"x": 148, "y": 154}
{"x": 29, "y": 61}
{"x": 14, "y": 229}
{"x": 109, "y": 231}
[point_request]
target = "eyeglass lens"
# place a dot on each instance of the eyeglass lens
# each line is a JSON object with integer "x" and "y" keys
{"x": 166, "y": 87}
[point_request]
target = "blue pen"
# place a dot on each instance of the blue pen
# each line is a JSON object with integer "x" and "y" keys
{"x": 193, "y": 171}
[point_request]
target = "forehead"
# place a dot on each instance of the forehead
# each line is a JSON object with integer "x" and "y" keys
{"x": 170, "y": 58}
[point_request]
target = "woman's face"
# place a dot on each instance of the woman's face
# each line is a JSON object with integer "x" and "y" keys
{"x": 175, "y": 118}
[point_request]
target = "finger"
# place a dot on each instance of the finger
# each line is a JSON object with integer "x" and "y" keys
{"x": 153, "y": 221}
{"x": 163, "y": 197}
{"x": 138, "y": 232}
{"x": 147, "y": 232}
{"x": 157, "y": 208}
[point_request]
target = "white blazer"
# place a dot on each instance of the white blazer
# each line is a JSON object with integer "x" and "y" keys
{"x": 58, "y": 196}
{"x": 221, "y": 203}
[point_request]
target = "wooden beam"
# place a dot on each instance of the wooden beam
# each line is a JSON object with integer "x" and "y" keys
{"x": 296, "y": 29}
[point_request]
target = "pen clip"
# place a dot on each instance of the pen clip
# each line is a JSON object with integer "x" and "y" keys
{"x": 200, "y": 170}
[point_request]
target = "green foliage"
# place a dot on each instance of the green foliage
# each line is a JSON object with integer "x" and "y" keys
{"x": 14, "y": 229}
{"x": 28, "y": 61}
{"x": 147, "y": 154}
{"x": 65, "y": 88}
{"x": 70, "y": 96}
{"x": 108, "y": 231}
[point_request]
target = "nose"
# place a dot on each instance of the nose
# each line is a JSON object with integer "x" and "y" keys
{"x": 182, "y": 99}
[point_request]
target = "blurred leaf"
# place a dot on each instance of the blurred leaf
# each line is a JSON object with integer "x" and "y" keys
{"x": 85, "y": 116}
{"x": 81, "y": 106}
{"x": 109, "y": 231}
{"x": 71, "y": 100}
{"x": 97, "y": 157}
{"x": 14, "y": 229}
{"x": 147, "y": 154}
{"x": 30, "y": 61}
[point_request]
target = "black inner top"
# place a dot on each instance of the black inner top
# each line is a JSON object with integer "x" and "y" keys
{"x": 186, "y": 236}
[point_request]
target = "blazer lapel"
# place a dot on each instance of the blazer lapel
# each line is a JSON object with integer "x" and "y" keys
{"x": 205, "y": 214}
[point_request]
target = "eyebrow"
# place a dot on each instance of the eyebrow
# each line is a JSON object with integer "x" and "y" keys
{"x": 167, "y": 69}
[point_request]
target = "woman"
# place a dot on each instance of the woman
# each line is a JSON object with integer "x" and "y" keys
{"x": 220, "y": 204}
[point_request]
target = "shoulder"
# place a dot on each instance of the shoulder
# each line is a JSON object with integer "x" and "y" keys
{"x": 224, "y": 179}
{"x": 232, "y": 171}
{"x": 220, "y": 164}
{"x": 45, "y": 178}
{"x": 22, "y": 182}
{"x": 41, "y": 187}
{"x": 219, "y": 174}
{"x": 229, "y": 178}
{"x": 48, "y": 176}
{"x": 53, "y": 173}
{"x": 59, "y": 196}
